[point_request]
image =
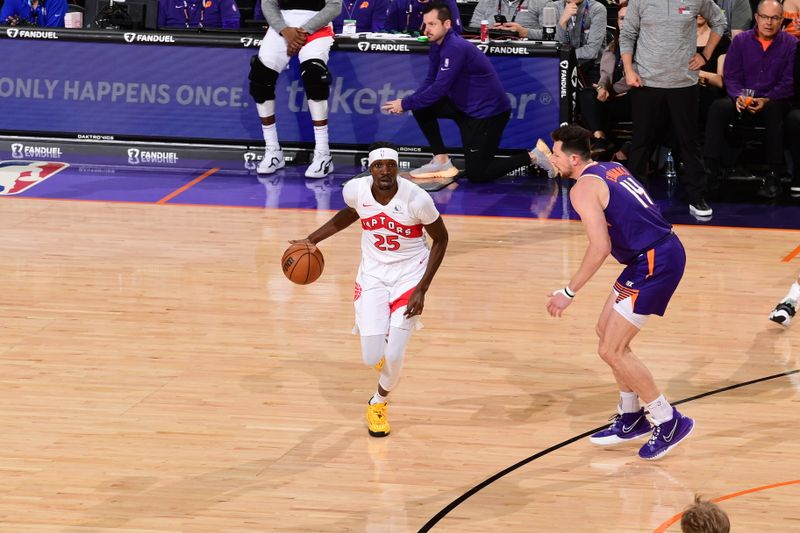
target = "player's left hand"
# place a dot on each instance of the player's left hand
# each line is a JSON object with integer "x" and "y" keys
{"x": 557, "y": 303}
{"x": 415, "y": 303}
{"x": 311, "y": 246}
{"x": 393, "y": 106}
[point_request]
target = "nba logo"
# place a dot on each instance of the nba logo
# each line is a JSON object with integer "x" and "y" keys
{"x": 19, "y": 176}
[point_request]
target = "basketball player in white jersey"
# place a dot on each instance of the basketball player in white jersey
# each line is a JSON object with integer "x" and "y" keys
{"x": 396, "y": 269}
{"x": 786, "y": 308}
{"x": 302, "y": 28}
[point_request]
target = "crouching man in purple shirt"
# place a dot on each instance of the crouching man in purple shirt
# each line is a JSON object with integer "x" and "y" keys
{"x": 463, "y": 86}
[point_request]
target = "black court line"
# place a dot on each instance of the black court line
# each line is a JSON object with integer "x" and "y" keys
{"x": 461, "y": 499}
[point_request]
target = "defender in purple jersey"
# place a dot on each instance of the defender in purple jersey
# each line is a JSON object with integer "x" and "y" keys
{"x": 620, "y": 219}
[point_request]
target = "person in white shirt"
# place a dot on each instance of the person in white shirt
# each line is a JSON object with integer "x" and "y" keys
{"x": 396, "y": 269}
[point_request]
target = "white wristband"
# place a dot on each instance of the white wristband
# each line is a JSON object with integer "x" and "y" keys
{"x": 566, "y": 292}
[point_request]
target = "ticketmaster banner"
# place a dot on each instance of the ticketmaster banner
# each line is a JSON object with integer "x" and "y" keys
{"x": 194, "y": 93}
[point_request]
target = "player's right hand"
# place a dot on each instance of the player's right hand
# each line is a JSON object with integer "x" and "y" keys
{"x": 311, "y": 245}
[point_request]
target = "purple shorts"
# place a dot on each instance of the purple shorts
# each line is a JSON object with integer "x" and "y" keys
{"x": 652, "y": 277}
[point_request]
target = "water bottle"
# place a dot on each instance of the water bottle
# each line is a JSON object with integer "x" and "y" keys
{"x": 669, "y": 167}
{"x": 484, "y": 31}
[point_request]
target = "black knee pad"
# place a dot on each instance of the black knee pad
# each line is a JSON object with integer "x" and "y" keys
{"x": 316, "y": 79}
{"x": 262, "y": 81}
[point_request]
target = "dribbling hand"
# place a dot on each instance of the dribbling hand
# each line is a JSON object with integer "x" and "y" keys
{"x": 311, "y": 245}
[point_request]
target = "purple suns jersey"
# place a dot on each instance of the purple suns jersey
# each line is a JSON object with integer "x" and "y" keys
{"x": 634, "y": 222}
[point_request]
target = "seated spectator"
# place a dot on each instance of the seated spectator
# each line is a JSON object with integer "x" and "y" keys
{"x": 791, "y": 11}
{"x": 405, "y": 16}
{"x": 42, "y": 13}
{"x": 582, "y": 25}
{"x": 705, "y": 517}
{"x": 738, "y": 15}
{"x": 370, "y": 15}
{"x": 760, "y": 60}
{"x": 521, "y": 16}
{"x": 198, "y": 14}
{"x": 607, "y": 103}
{"x": 710, "y": 74}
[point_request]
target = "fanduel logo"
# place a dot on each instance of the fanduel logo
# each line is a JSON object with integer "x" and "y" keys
{"x": 509, "y": 50}
{"x": 563, "y": 66}
{"x": 147, "y": 38}
{"x": 31, "y": 34}
{"x": 483, "y": 48}
{"x": 136, "y": 156}
{"x": 250, "y": 160}
{"x": 247, "y": 42}
{"x": 19, "y": 151}
{"x": 383, "y": 47}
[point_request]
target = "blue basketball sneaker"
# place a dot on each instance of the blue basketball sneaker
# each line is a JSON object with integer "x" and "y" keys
{"x": 625, "y": 427}
{"x": 666, "y": 436}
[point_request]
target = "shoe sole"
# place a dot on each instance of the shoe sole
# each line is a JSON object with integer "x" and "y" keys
{"x": 781, "y": 321}
{"x": 449, "y": 173}
{"x": 330, "y": 169}
{"x": 699, "y": 213}
{"x": 665, "y": 452}
{"x": 273, "y": 171}
{"x": 378, "y": 434}
{"x": 606, "y": 444}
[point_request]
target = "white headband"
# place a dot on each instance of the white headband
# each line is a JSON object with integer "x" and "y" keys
{"x": 383, "y": 153}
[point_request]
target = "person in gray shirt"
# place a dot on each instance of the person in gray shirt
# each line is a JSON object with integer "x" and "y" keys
{"x": 521, "y": 16}
{"x": 582, "y": 25}
{"x": 738, "y": 15}
{"x": 663, "y": 34}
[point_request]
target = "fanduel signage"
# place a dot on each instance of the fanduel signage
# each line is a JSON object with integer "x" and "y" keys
{"x": 131, "y": 91}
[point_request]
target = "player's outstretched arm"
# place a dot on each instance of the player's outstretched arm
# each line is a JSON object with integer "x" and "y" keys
{"x": 439, "y": 236}
{"x": 337, "y": 223}
{"x": 586, "y": 199}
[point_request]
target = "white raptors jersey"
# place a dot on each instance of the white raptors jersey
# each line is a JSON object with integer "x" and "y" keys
{"x": 392, "y": 232}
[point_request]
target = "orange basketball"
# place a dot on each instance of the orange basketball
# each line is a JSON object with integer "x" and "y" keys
{"x": 301, "y": 265}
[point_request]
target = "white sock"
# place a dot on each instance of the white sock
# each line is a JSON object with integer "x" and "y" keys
{"x": 377, "y": 398}
{"x": 794, "y": 292}
{"x": 270, "y": 137}
{"x": 321, "y": 139}
{"x": 660, "y": 410}
{"x": 628, "y": 402}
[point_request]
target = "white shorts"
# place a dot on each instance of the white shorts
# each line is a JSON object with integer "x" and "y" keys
{"x": 272, "y": 53}
{"x": 381, "y": 302}
{"x": 625, "y": 308}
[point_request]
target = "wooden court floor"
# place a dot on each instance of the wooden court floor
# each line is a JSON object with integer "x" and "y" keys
{"x": 158, "y": 374}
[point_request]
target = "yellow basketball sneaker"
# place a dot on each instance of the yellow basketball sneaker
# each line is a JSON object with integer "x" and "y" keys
{"x": 377, "y": 424}
{"x": 380, "y": 364}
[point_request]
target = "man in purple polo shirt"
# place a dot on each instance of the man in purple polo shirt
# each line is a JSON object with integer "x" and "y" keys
{"x": 463, "y": 86}
{"x": 760, "y": 61}
{"x": 198, "y": 14}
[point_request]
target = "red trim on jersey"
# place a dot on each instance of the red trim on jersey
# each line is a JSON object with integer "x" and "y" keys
{"x": 384, "y": 221}
{"x": 357, "y": 292}
{"x": 327, "y": 31}
{"x": 400, "y": 301}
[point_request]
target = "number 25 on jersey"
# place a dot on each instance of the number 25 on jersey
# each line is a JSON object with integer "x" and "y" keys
{"x": 387, "y": 243}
